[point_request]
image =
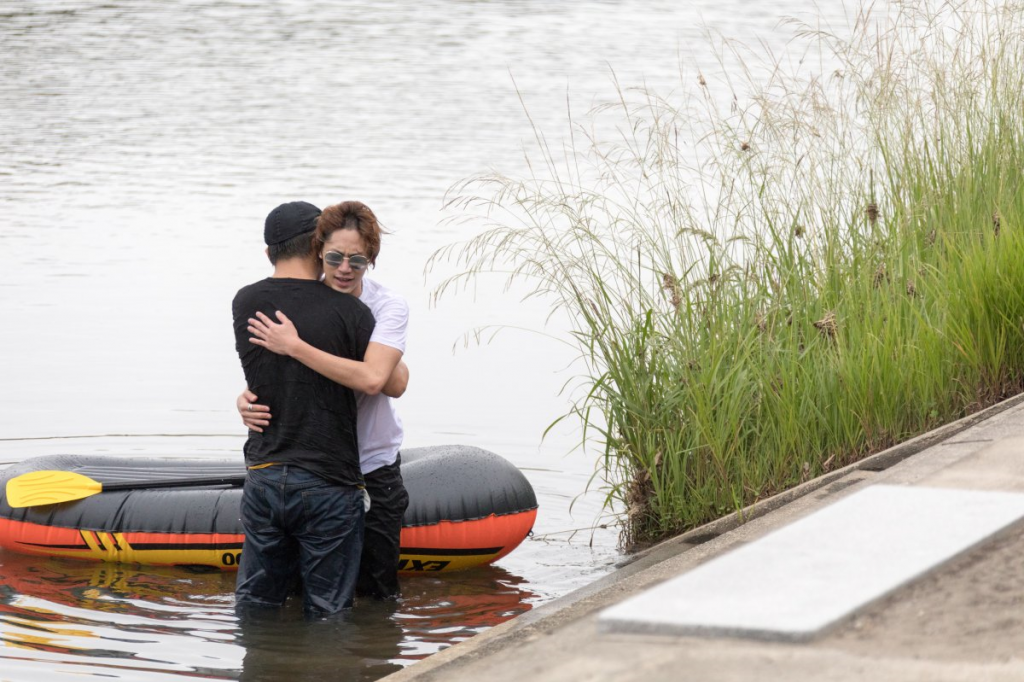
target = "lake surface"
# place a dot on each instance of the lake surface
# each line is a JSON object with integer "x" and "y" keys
{"x": 143, "y": 142}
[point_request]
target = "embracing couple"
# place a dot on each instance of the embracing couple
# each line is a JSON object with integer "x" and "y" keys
{"x": 321, "y": 347}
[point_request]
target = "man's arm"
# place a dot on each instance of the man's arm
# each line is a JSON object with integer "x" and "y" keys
{"x": 369, "y": 376}
{"x": 373, "y": 375}
{"x": 398, "y": 381}
{"x": 254, "y": 416}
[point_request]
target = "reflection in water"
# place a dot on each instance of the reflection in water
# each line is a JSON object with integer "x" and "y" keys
{"x": 165, "y": 623}
{"x": 66, "y": 616}
{"x": 284, "y": 645}
{"x": 439, "y": 611}
{"x": 378, "y": 638}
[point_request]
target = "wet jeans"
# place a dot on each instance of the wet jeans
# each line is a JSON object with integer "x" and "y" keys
{"x": 378, "y": 570}
{"x": 295, "y": 519}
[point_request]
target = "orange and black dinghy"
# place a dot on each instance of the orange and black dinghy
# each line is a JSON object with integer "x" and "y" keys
{"x": 467, "y": 507}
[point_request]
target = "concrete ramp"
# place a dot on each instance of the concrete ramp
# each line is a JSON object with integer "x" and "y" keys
{"x": 797, "y": 581}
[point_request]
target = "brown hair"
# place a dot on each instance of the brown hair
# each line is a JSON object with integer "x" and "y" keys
{"x": 350, "y": 215}
{"x": 299, "y": 246}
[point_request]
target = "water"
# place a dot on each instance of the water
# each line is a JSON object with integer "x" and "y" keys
{"x": 141, "y": 145}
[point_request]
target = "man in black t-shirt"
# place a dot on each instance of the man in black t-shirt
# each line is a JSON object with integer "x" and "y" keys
{"x": 303, "y": 497}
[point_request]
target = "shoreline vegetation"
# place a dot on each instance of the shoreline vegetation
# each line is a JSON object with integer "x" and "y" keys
{"x": 785, "y": 266}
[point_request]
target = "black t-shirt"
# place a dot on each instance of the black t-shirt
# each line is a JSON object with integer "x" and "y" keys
{"x": 314, "y": 418}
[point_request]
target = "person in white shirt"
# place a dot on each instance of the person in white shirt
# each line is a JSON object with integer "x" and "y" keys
{"x": 348, "y": 237}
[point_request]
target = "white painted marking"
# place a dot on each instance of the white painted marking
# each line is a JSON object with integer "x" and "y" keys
{"x": 799, "y": 579}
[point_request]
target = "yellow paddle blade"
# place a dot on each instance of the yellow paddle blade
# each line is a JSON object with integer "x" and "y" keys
{"x": 49, "y": 487}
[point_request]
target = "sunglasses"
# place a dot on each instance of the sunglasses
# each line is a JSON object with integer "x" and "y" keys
{"x": 355, "y": 261}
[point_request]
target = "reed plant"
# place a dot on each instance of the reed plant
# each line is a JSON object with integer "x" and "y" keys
{"x": 771, "y": 275}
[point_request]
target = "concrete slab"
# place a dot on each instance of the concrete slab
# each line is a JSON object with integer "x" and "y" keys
{"x": 798, "y": 580}
{"x": 999, "y": 466}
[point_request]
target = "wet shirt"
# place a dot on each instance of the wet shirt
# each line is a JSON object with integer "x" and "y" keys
{"x": 314, "y": 424}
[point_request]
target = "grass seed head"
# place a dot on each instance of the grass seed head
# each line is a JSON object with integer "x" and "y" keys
{"x": 881, "y": 275}
{"x": 827, "y": 326}
{"x": 872, "y": 212}
{"x": 671, "y": 284}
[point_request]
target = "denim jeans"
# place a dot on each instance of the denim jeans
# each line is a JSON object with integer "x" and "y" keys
{"x": 378, "y": 569}
{"x": 294, "y": 519}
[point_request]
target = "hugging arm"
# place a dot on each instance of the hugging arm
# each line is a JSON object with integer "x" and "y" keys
{"x": 256, "y": 416}
{"x": 373, "y": 375}
{"x": 398, "y": 381}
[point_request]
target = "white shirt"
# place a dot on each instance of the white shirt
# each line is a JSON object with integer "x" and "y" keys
{"x": 377, "y": 424}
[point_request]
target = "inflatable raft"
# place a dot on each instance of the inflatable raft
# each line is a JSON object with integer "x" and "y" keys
{"x": 467, "y": 507}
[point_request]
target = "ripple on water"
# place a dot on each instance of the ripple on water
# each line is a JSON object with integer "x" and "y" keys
{"x": 170, "y": 623}
{"x": 129, "y": 624}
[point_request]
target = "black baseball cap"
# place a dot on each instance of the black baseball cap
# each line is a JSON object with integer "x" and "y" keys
{"x": 289, "y": 220}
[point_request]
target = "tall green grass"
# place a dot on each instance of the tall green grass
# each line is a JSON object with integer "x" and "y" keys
{"x": 770, "y": 279}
